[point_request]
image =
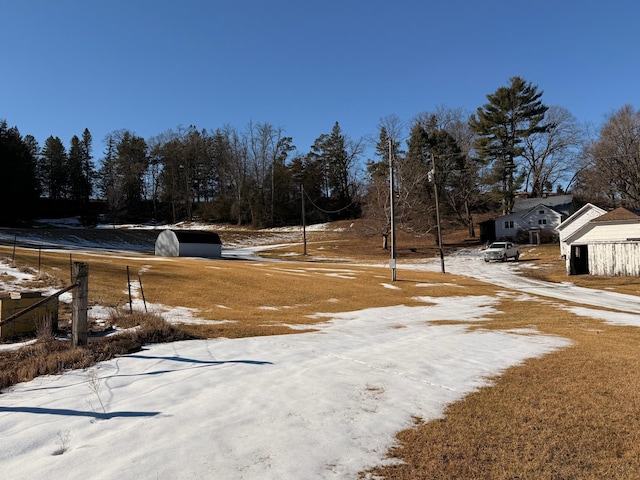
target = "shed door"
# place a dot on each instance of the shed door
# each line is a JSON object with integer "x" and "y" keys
{"x": 579, "y": 259}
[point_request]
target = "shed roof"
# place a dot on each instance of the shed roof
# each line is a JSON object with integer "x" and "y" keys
{"x": 616, "y": 215}
{"x": 197, "y": 236}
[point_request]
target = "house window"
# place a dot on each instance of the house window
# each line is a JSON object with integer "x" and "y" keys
{"x": 508, "y": 224}
{"x": 542, "y": 221}
{"x": 541, "y": 212}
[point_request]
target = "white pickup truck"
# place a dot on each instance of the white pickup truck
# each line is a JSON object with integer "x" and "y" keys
{"x": 502, "y": 251}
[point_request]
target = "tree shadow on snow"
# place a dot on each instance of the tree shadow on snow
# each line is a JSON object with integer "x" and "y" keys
{"x": 76, "y": 413}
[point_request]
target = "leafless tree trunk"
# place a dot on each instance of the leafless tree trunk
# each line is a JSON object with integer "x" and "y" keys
{"x": 614, "y": 169}
{"x": 550, "y": 156}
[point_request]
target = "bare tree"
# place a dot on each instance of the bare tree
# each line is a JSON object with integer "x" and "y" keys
{"x": 376, "y": 211}
{"x": 613, "y": 171}
{"x": 377, "y": 208}
{"x": 551, "y": 156}
{"x": 394, "y": 128}
{"x": 268, "y": 148}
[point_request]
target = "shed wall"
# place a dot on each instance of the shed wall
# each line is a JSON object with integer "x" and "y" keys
{"x": 200, "y": 250}
{"x": 615, "y": 259}
{"x": 574, "y": 226}
{"x": 603, "y": 232}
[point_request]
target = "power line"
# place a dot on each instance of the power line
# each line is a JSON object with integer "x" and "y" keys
{"x": 328, "y": 211}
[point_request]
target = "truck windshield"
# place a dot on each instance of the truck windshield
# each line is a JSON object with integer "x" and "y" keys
{"x": 497, "y": 245}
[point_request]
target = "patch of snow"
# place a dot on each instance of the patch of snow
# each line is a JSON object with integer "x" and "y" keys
{"x": 5, "y": 347}
{"x": 315, "y": 405}
{"x": 612, "y": 318}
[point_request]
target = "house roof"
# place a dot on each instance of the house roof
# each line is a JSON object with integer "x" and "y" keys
{"x": 617, "y": 215}
{"x": 561, "y": 203}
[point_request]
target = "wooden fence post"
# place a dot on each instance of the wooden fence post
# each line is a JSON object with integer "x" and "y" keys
{"x": 129, "y": 287}
{"x": 79, "y": 324}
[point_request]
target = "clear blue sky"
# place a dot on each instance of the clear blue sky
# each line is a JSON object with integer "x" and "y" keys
{"x": 153, "y": 65}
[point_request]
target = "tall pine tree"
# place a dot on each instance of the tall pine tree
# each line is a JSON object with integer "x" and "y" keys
{"x": 512, "y": 114}
{"x": 54, "y": 169}
{"x": 18, "y": 186}
{"x": 336, "y": 155}
{"x": 79, "y": 183}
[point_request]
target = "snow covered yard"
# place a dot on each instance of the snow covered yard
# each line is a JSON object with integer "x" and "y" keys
{"x": 316, "y": 405}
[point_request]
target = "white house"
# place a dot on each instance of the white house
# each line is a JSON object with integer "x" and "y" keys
{"x": 576, "y": 221}
{"x": 606, "y": 245}
{"x": 535, "y": 218}
{"x": 539, "y": 219}
{"x": 188, "y": 243}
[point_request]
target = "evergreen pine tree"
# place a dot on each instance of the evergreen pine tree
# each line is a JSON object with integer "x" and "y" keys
{"x": 18, "y": 186}
{"x": 512, "y": 114}
{"x": 54, "y": 166}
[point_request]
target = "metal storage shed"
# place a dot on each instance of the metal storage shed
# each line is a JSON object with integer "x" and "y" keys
{"x": 188, "y": 243}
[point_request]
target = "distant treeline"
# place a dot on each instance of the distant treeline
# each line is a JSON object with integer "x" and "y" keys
{"x": 512, "y": 145}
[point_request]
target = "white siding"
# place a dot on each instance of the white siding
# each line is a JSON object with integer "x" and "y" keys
{"x": 609, "y": 232}
{"x": 507, "y": 232}
{"x": 548, "y": 220}
{"x": 613, "y": 259}
{"x": 574, "y": 223}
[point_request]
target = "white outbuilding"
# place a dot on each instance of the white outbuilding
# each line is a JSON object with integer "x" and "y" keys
{"x": 574, "y": 223}
{"x": 607, "y": 245}
{"x": 188, "y": 243}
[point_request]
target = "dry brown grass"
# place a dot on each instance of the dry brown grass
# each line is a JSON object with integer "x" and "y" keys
{"x": 253, "y": 298}
{"x": 574, "y": 414}
{"x": 352, "y": 243}
{"x": 51, "y": 356}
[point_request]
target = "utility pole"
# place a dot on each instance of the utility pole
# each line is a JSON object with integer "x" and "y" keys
{"x": 435, "y": 191}
{"x": 304, "y": 223}
{"x": 392, "y": 261}
{"x": 273, "y": 190}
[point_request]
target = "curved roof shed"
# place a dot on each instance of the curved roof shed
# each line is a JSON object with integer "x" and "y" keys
{"x": 188, "y": 243}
